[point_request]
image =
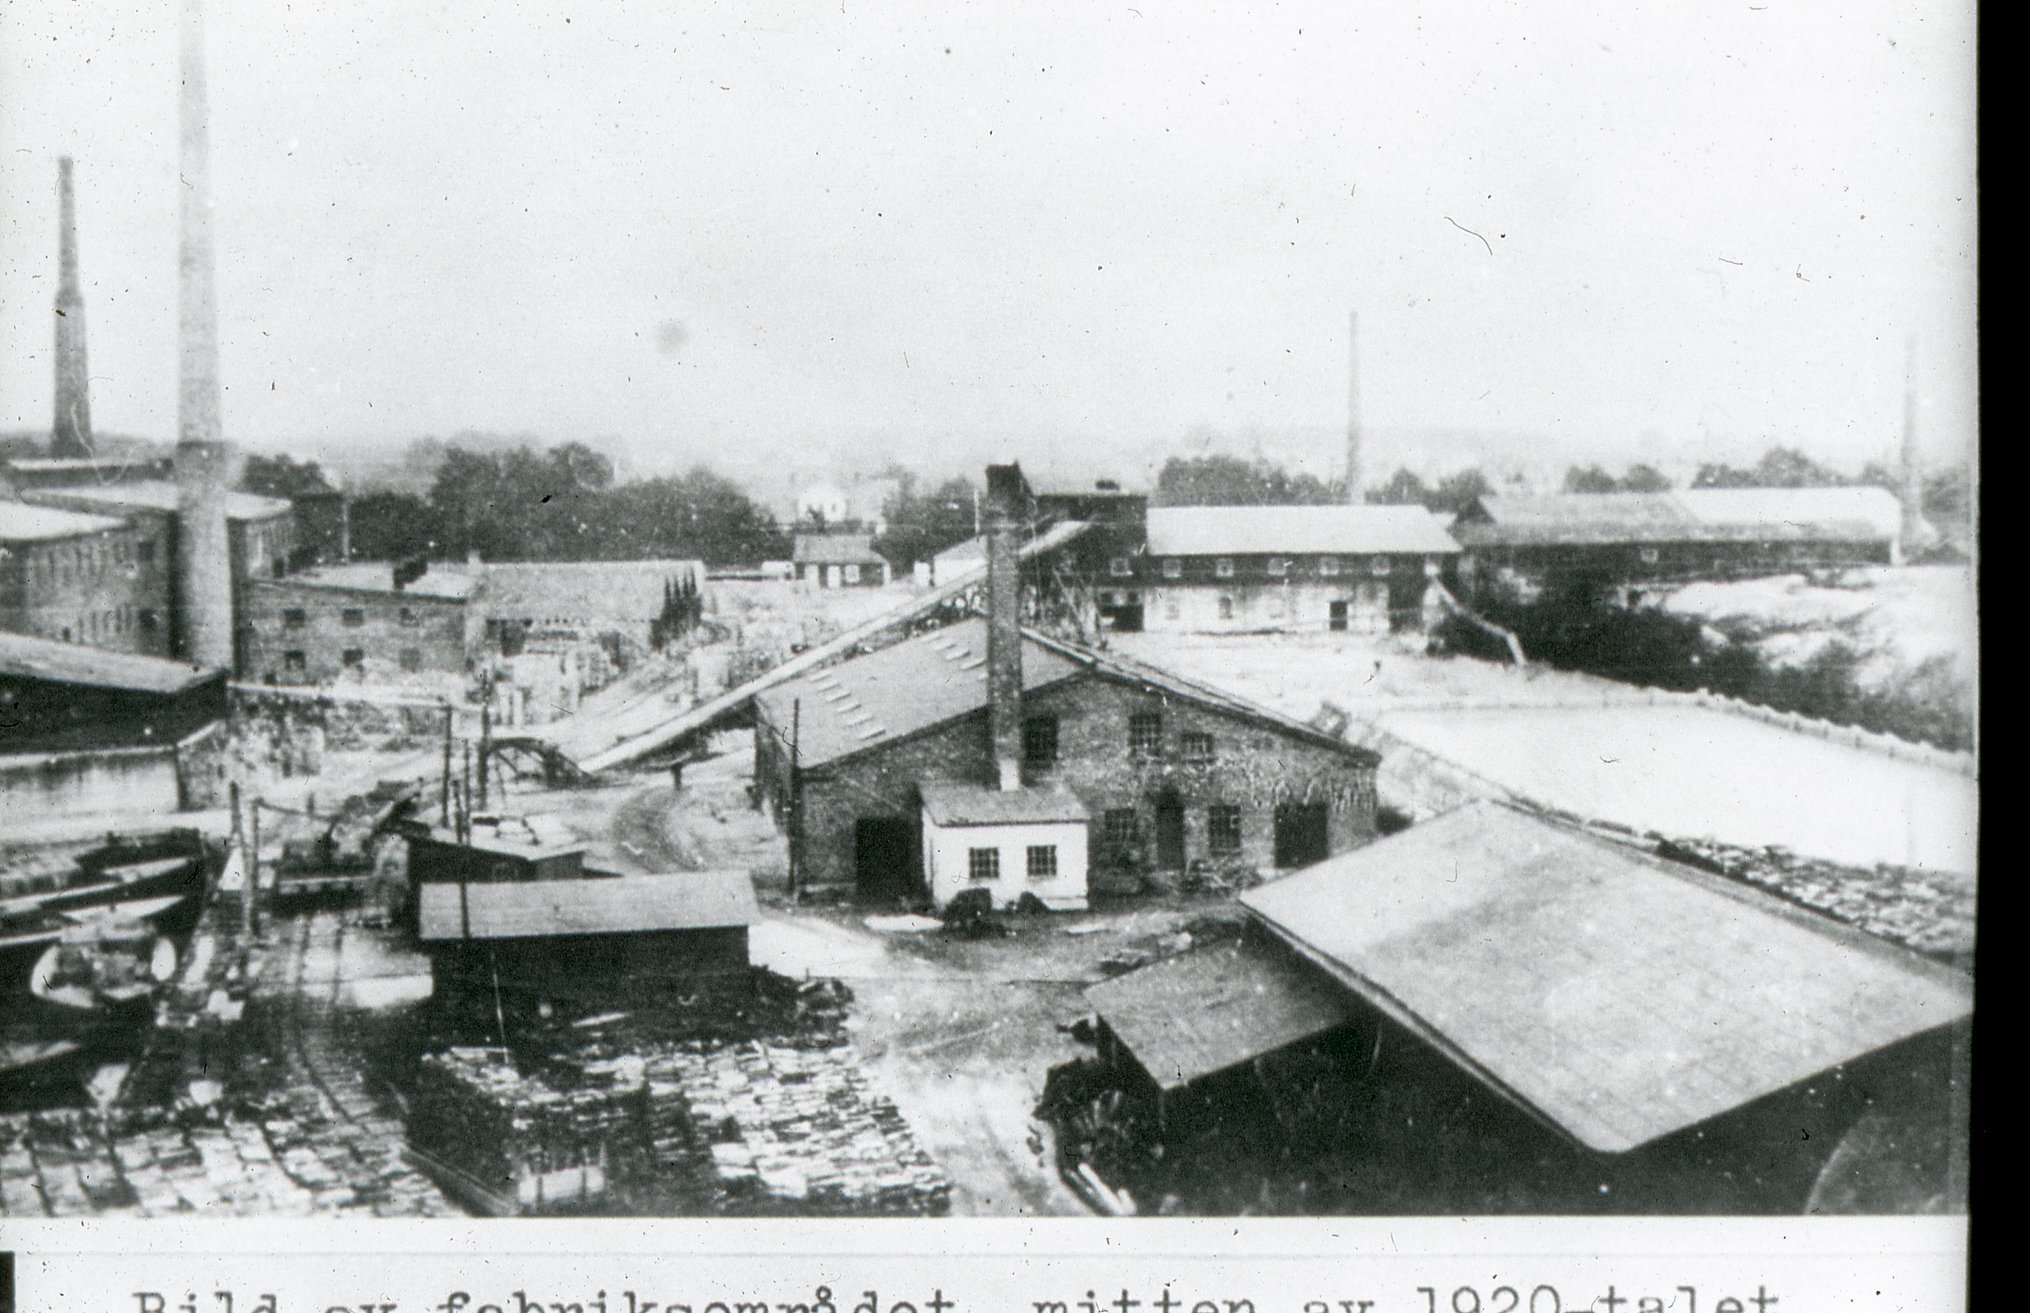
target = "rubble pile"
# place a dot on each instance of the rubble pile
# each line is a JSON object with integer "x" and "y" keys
{"x": 1930, "y": 911}
{"x": 798, "y": 1130}
{"x": 519, "y": 1137}
{"x": 742, "y": 1130}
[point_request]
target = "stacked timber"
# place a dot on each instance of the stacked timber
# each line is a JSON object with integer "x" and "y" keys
{"x": 510, "y": 1143}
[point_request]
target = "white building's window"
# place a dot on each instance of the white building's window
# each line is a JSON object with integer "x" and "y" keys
{"x": 1042, "y": 861}
{"x": 852, "y": 574}
{"x": 1328, "y": 566}
{"x": 1224, "y": 567}
{"x": 1173, "y": 568}
{"x": 1279, "y": 566}
{"x": 1378, "y": 566}
{"x": 1120, "y": 567}
{"x": 983, "y": 863}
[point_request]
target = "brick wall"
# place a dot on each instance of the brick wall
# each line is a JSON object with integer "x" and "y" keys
{"x": 108, "y": 590}
{"x": 1255, "y": 766}
{"x": 397, "y": 631}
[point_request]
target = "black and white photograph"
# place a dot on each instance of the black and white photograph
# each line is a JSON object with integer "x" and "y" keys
{"x": 870, "y": 609}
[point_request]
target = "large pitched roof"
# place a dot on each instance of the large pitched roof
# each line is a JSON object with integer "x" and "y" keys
{"x": 1209, "y": 1009}
{"x": 153, "y": 495}
{"x": 1615, "y": 995}
{"x": 595, "y": 905}
{"x": 1694, "y": 515}
{"x": 1296, "y": 531}
{"x": 72, "y": 663}
{"x": 925, "y": 681}
{"x": 22, "y": 523}
{"x": 835, "y": 549}
{"x": 886, "y": 695}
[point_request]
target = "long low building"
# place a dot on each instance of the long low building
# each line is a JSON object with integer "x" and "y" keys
{"x": 84, "y": 730}
{"x": 1621, "y": 538}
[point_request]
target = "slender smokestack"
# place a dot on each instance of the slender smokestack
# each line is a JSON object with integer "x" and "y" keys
{"x": 70, "y": 434}
{"x": 204, "y": 575}
{"x": 1005, "y": 489}
{"x": 1353, "y": 484}
{"x": 1915, "y": 534}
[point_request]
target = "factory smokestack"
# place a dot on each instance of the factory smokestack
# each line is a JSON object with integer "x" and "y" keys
{"x": 70, "y": 434}
{"x": 1353, "y": 483}
{"x": 1005, "y": 495}
{"x": 204, "y": 575}
{"x": 1915, "y": 535}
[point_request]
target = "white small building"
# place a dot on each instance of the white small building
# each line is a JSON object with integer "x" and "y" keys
{"x": 1008, "y": 842}
{"x": 968, "y": 557}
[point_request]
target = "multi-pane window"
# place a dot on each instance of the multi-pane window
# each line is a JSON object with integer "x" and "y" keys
{"x": 1224, "y": 567}
{"x": 983, "y": 863}
{"x": 1173, "y": 568}
{"x": 1145, "y": 734}
{"x": 1328, "y": 566}
{"x": 1119, "y": 826}
{"x": 1223, "y": 828}
{"x": 1195, "y": 747}
{"x": 1042, "y": 860}
{"x": 352, "y": 656}
{"x": 352, "y": 617}
{"x": 293, "y": 618}
{"x": 1039, "y": 741}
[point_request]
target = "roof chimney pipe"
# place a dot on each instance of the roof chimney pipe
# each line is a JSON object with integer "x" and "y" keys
{"x": 70, "y": 435}
{"x": 1353, "y": 471}
{"x": 203, "y": 462}
{"x": 1006, "y": 495}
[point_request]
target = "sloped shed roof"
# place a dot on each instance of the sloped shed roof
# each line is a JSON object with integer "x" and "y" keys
{"x": 1694, "y": 515}
{"x": 155, "y": 495}
{"x": 21, "y": 523}
{"x": 1617, "y": 996}
{"x": 72, "y": 663}
{"x": 598, "y": 905}
{"x": 1209, "y": 1009}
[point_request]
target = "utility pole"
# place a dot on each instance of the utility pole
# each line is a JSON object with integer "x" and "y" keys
{"x": 444, "y": 779}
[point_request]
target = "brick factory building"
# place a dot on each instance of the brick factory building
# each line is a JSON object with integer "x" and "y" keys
{"x": 314, "y": 627}
{"x": 1299, "y": 569}
{"x": 1169, "y": 773}
{"x": 81, "y": 578}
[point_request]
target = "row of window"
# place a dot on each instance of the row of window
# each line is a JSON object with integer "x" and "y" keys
{"x": 115, "y": 622}
{"x": 352, "y": 617}
{"x": 1328, "y": 567}
{"x": 1145, "y": 739}
{"x": 1122, "y": 827}
{"x": 294, "y": 662}
{"x": 87, "y": 562}
{"x": 985, "y": 863}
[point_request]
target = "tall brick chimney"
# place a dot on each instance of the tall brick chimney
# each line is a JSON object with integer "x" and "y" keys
{"x": 1915, "y": 534}
{"x": 1354, "y": 490}
{"x": 203, "y": 461}
{"x": 70, "y": 434}
{"x": 1006, "y": 493}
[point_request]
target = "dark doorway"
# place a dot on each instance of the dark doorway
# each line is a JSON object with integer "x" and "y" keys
{"x": 1169, "y": 834}
{"x": 1337, "y": 617}
{"x": 884, "y": 859}
{"x": 1301, "y": 833}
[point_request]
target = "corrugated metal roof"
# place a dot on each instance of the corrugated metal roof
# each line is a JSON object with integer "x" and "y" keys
{"x": 153, "y": 495}
{"x": 22, "y": 523}
{"x": 973, "y": 804}
{"x": 602, "y": 905}
{"x": 1209, "y": 1009}
{"x": 915, "y": 684}
{"x": 1618, "y": 996}
{"x": 1296, "y": 531}
{"x": 73, "y": 663}
{"x": 1694, "y": 515}
{"x": 835, "y": 549}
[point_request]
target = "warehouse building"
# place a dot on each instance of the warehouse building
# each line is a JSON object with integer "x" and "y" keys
{"x": 360, "y": 619}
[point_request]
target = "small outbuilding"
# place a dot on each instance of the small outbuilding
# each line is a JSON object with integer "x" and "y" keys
{"x": 838, "y": 560}
{"x": 1007, "y": 842}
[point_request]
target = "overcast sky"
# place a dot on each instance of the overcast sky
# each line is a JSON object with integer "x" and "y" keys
{"x": 763, "y": 228}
